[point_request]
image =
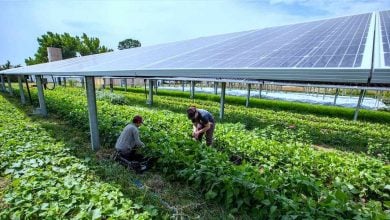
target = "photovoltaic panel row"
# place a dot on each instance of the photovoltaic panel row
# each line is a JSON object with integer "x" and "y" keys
{"x": 385, "y": 30}
{"x": 338, "y": 42}
{"x": 134, "y": 58}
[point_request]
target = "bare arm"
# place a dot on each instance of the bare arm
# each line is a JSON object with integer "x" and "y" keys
{"x": 194, "y": 128}
{"x": 137, "y": 140}
{"x": 206, "y": 127}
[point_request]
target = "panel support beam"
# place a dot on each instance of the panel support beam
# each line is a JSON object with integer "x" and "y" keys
{"x": 248, "y": 95}
{"x": 192, "y": 94}
{"x": 155, "y": 83}
{"x": 150, "y": 97}
{"x": 82, "y": 82}
{"x": 355, "y": 116}
{"x": 22, "y": 96}
{"x": 41, "y": 98}
{"x": 92, "y": 112}
{"x": 2, "y": 83}
{"x": 215, "y": 88}
{"x": 222, "y": 107}
{"x": 9, "y": 85}
{"x": 260, "y": 90}
{"x": 336, "y": 95}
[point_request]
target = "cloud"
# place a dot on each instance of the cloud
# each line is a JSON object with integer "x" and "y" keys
{"x": 154, "y": 22}
{"x": 337, "y": 8}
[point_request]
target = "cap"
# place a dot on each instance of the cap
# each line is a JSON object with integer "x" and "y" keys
{"x": 191, "y": 112}
{"x": 138, "y": 119}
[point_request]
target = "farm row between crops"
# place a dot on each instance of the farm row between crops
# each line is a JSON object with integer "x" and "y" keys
{"x": 46, "y": 182}
{"x": 366, "y": 137}
{"x": 280, "y": 178}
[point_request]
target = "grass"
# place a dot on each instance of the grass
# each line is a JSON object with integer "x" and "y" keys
{"x": 173, "y": 199}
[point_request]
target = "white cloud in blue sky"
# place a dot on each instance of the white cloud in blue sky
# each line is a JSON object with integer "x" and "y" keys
{"x": 154, "y": 22}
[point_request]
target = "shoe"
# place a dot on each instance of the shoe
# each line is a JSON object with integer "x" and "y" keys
{"x": 143, "y": 168}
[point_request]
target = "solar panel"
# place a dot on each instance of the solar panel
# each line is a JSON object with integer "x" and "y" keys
{"x": 332, "y": 50}
{"x": 335, "y": 42}
{"x": 385, "y": 30}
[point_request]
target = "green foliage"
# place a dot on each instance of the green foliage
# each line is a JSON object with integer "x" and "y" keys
{"x": 46, "y": 182}
{"x": 279, "y": 178}
{"x": 128, "y": 43}
{"x": 278, "y": 105}
{"x": 111, "y": 97}
{"x": 69, "y": 45}
{"x": 370, "y": 138}
{"x": 91, "y": 45}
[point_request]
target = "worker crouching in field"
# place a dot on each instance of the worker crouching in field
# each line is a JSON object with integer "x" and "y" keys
{"x": 129, "y": 140}
{"x": 203, "y": 123}
{"x": 127, "y": 144}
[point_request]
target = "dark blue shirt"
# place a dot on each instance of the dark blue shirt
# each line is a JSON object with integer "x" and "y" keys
{"x": 204, "y": 117}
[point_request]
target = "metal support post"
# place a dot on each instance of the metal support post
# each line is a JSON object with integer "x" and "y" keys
{"x": 222, "y": 107}
{"x": 2, "y": 83}
{"x": 183, "y": 84}
{"x": 125, "y": 80}
{"x": 323, "y": 96}
{"x": 64, "y": 82}
{"x": 92, "y": 112}
{"x": 104, "y": 83}
{"x": 22, "y": 97}
{"x": 111, "y": 85}
{"x": 42, "y": 105}
{"x": 355, "y": 116}
{"x": 260, "y": 89}
{"x": 336, "y": 95}
{"x": 9, "y": 85}
{"x": 150, "y": 98}
{"x": 215, "y": 88}
{"x": 192, "y": 94}
{"x": 248, "y": 95}
{"x": 82, "y": 82}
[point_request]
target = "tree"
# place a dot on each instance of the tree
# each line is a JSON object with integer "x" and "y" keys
{"x": 128, "y": 43}
{"x": 69, "y": 45}
{"x": 8, "y": 65}
{"x": 91, "y": 45}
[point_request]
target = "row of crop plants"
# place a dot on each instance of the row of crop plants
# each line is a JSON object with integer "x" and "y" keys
{"x": 370, "y": 138}
{"x": 42, "y": 180}
{"x": 358, "y": 174}
{"x": 279, "y": 179}
{"x": 280, "y": 105}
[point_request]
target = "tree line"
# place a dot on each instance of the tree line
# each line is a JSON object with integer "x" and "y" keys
{"x": 71, "y": 46}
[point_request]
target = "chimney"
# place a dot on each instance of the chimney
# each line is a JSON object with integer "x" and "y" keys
{"x": 54, "y": 54}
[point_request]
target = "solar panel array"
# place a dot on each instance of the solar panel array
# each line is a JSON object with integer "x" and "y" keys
{"x": 331, "y": 50}
{"x": 338, "y": 42}
{"x": 385, "y": 30}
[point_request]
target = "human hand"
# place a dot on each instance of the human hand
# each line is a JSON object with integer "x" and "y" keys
{"x": 195, "y": 134}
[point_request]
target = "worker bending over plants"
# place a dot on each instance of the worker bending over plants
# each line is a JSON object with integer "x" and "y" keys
{"x": 203, "y": 123}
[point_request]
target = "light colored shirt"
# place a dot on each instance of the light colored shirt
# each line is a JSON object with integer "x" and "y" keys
{"x": 129, "y": 138}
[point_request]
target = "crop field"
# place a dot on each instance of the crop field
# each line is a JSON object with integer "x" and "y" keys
{"x": 302, "y": 163}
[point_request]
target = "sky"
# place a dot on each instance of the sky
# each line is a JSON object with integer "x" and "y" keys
{"x": 155, "y": 21}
